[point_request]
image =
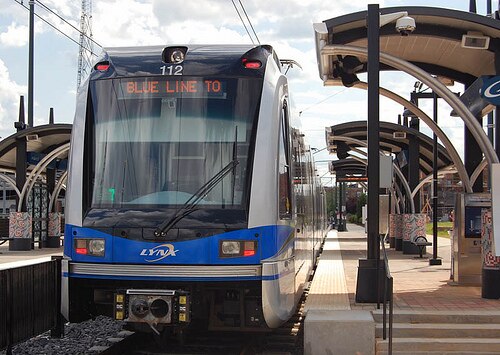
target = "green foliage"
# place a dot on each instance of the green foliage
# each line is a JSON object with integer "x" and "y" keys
{"x": 361, "y": 202}
{"x": 442, "y": 229}
{"x": 331, "y": 194}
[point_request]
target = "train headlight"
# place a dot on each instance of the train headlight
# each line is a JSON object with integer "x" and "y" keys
{"x": 174, "y": 55}
{"x": 85, "y": 246}
{"x": 230, "y": 248}
{"x": 96, "y": 247}
{"x": 233, "y": 248}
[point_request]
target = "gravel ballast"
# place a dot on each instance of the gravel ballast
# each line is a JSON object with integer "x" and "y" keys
{"x": 78, "y": 338}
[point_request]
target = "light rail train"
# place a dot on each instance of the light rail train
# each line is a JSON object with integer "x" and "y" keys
{"x": 192, "y": 196}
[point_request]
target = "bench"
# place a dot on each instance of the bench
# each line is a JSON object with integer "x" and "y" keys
{"x": 421, "y": 242}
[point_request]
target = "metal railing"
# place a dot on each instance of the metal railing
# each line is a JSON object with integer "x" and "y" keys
{"x": 388, "y": 296}
{"x": 31, "y": 302}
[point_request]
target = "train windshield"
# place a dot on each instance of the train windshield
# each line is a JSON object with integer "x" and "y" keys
{"x": 156, "y": 141}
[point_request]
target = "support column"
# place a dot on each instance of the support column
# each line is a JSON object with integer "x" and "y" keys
{"x": 413, "y": 178}
{"x": 497, "y": 131}
{"x": 472, "y": 157}
{"x": 414, "y": 162}
{"x": 367, "y": 285}
{"x": 435, "y": 260}
{"x": 53, "y": 218}
{"x": 23, "y": 239}
{"x": 490, "y": 277}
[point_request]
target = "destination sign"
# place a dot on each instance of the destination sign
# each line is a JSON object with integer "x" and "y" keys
{"x": 159, "y": 88}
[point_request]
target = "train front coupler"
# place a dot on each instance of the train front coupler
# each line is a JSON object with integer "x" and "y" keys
{"x": 153, "y": 307}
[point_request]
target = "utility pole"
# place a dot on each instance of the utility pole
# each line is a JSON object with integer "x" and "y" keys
{"x": 31, "y": 62}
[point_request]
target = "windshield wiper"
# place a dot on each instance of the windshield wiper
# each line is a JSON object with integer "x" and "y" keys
{"x": 190, "y": 205}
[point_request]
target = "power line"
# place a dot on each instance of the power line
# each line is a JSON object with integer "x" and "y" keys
{"x": 250, "y": 22}
{"x": 67, "y": 22}
{"x": 321, "y": 101}
{"x": 243, "y": 22}
{"x": 54, "y": 27}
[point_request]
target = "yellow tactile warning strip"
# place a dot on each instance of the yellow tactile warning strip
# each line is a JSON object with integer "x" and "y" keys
{"x": 328, "y": 289}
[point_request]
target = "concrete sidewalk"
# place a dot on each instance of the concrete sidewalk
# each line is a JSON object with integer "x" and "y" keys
{"x": 417, "y": 286}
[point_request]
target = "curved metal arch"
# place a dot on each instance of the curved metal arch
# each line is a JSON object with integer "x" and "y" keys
{"x": 60, "y": 185}
{"x": 401, "y": 198}
{"x": 7, "y": 170}
{"x": 428, "y": 179}
{"x": 455, "y": 157}
{"x": 396, "y": 205}
{"x": 482, "y": 165}
{"x": 11, "y": 182}
{"x": 396, "y": 169}
{"x": 33, "y": 176}
{"x": 363, "y": 161}
{"x": 397, "y": 189}
{"x": 386, "y": 146}
{"x": 440, "y": 89}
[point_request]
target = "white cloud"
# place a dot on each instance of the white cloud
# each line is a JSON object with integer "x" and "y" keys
{"x": 9, "y": 101}
{"x": 287, "y": 26}
{"x": 125, "y": 23}
{"x": 15, "y": 36}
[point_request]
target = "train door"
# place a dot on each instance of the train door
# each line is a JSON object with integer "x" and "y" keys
{"x": 285, "y": 202}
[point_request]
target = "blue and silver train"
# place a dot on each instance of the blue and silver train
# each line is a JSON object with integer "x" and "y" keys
{"x": 192, "y": 198}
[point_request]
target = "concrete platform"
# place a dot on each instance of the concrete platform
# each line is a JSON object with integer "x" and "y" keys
{"x": 417, "y": 285}
{"x": 422, "y": 293}
{"x": 11, "y": 259}
{"x": 328, "y": 290}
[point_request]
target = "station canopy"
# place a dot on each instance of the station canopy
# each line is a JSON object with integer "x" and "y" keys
{"x": 394, "y": 138}
{"x": 41, "y": 140}
{"x": 446, "y": 43}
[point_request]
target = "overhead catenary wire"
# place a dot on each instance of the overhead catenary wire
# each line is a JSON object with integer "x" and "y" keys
{"x": 321, "y": 101}
{"x": 67, "y": 22}
{"x": 54, "y": 27}
{"x": 243, "y": 22}
{"x": 250, "y": 22}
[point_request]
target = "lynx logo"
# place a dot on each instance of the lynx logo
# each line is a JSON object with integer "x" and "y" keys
{"x": 491, "y": 89}
{"x": 158, "y": 253}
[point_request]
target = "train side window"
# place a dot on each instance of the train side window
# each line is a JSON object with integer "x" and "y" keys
{"x": 285, "y": 195}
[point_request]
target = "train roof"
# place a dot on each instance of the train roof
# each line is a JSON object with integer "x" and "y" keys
{"x": 199, "y": 60}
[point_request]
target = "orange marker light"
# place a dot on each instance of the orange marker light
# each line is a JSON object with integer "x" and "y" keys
{"x": 249, "y": 249}
{"x": 255, "y": 64}
{"x": 102, "y": 66}
{"x": 249, "y": 253}
{"x": 82, "y": 251}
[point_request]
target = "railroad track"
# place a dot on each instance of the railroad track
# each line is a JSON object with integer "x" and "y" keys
{"x": 285, "y": 340}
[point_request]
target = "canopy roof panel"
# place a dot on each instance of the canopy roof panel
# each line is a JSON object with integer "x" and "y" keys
{"x": 40, "y": 139}
{"x": 390, "y": 142}
{"x": 435, "y": 45}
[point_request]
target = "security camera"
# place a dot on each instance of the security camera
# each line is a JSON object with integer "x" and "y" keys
{"x": 405, "y": 25}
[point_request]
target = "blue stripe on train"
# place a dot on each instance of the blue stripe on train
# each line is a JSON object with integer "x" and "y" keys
{"x": 158, "y": 278}
{"x": 270, "y": 240}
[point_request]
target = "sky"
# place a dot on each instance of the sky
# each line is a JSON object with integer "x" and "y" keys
{"x": 287, "y": 26}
